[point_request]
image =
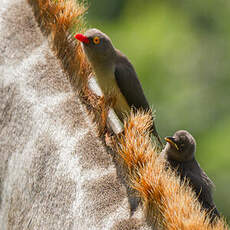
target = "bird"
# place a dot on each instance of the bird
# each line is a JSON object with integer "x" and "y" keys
{"x": 115, "y": 74}
{"x": 179, "y": 153}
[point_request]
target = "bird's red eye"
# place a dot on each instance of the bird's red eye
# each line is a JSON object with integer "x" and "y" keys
{"x": 96, "y": 40}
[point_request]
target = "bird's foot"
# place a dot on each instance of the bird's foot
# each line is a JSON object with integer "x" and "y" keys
{"x": 103, "y": 115}
{"x": 110, "y": 140}
{"x": 91, "y": 98}
{"x": 104, "y": 104}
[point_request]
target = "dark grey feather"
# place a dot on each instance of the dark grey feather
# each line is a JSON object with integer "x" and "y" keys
{"x": 200, "y": 183}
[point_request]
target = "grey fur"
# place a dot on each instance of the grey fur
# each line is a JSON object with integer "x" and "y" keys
{"x": 183, "y": 160}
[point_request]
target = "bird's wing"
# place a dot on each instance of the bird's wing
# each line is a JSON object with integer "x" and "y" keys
{"x": 128, "y": 83}
{"x": 130, "y": 87}
{"x": 203, "y": 190}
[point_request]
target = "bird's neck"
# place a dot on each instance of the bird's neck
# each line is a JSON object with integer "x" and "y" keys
{"x": 104, "y": 68}
{"x": 105, "y": 76}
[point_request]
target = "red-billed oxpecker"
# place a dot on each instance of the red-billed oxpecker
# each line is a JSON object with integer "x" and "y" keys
{"x": 114, "y": 73}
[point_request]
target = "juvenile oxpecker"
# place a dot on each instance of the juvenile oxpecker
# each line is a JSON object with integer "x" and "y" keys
{"x": 179, "y": 153}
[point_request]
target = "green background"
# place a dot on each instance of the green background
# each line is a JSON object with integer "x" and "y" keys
{"x": 181, "y": 52}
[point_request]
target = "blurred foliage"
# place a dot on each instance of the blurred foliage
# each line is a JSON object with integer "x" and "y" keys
{"x": 181, "y": 52}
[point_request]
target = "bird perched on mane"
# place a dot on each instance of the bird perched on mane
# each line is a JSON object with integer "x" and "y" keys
{"x": 114, "y": 73}
{"x": 179, "y": 153}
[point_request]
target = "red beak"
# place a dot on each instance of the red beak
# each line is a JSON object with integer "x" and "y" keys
{"x": 82, "y": 38}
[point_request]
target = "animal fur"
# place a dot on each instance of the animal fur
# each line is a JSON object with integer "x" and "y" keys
{"x": 172, "y": 205}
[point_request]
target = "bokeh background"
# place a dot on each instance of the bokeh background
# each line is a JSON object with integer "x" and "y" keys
{"x": 181, "y": 52}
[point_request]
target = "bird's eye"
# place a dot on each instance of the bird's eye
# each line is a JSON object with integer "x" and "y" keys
{"x": 96, "y": 40}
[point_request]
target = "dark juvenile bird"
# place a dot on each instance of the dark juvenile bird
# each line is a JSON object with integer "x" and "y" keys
{"x": 180, "y": 155}
{"x": 115, "y": 74}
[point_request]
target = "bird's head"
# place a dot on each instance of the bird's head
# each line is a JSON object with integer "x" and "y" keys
{"x": 97, "y": 46}
{"x": 181, "y": 146}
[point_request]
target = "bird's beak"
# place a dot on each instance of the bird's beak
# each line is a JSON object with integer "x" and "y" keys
{"x": 82, "y": 38}
{"x": 172, "y": 141}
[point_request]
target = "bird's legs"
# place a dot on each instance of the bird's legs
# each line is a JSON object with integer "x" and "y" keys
{"x": 103, "y": 114}
{"x": 104, "y": 105}
{"x": 101, "y": 105}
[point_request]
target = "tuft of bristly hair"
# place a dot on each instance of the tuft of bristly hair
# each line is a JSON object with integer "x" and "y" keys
{"x": 168, "y": 202}
{"x": 132, "y": 145}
